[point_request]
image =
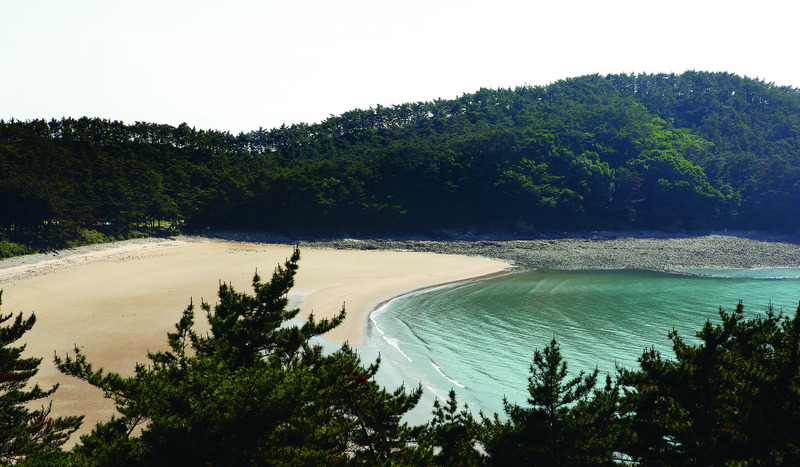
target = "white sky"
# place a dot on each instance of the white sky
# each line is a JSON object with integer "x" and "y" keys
{"x": 237, "y": 65}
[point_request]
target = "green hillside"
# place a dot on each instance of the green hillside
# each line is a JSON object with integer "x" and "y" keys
{"x": 690, "y": 151}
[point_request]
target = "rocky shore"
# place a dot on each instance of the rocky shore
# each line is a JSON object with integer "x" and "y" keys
{"x": 600, "y": 250}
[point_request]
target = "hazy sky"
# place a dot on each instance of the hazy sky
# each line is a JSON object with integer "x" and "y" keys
{"x": 238, "y": 65}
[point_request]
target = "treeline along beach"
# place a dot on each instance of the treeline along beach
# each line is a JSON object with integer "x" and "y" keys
{"x": 553, "y": 169}
{"x": 619, "y": 152}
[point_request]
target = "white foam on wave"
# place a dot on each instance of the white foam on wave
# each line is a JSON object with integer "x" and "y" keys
{"x": 788, "y": 273}
{"x": 435, "y": 366}
{"x": 376, "y": 312}
{"x": 436, "y": 392}
{"x": 396, "y": 344}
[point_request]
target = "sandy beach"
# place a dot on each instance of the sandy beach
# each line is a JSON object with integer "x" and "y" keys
{"x": 118, "y": 301}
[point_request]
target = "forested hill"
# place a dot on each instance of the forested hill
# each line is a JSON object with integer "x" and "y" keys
{"x": 695, "y": 151}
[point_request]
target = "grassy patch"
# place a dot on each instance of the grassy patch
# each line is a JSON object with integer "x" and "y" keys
{"x": 88, "y": 237}
{"x": 73, "y": 238}
{"x": 9, "y": 249}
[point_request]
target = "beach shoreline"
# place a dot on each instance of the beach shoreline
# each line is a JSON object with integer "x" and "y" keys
{"x": 118, "y": 301}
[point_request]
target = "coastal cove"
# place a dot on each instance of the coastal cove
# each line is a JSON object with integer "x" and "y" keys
{"x": 478, "y": 337}
{"x": 118, "y": 301}
{"x": 618, "y": 293}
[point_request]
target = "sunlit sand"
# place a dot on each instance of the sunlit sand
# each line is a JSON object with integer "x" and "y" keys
{"x": 118, "y": 303}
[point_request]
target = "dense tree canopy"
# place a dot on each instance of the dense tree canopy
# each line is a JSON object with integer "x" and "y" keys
{"x": 731, "y": 397}
{"x": 694, "y": 150}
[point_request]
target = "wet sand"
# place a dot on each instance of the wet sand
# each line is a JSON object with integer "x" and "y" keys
{"x": 118, "y": 301}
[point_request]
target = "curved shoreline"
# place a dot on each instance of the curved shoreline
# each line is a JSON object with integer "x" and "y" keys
{"x": 67, "y": 290}
{"x": 379, "y": 305}
{"x": 118, "y": 301}
{"x": 441, "y": 284}
{"x": 650, "y": 250}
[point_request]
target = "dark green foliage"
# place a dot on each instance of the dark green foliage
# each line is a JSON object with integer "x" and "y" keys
{"x": 252, "y": 392}
{"x": 452, "y": 437}
{"x": 9, "y": 249}
{"x": 754, "y": 130}
{"x": 25, "y": 433}
{"x": 562, "y": 425}
{"x": 733, "y": 398}
{"x": 696, "y": 150}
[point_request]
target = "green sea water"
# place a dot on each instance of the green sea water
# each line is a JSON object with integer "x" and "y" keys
{"x": 478, "y": 337}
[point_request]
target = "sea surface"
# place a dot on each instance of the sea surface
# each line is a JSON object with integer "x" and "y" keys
{"x": 478, "y": 337}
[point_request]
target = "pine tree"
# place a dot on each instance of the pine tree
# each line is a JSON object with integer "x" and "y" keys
{"x": 732, "y": 398}
{"x": 452, "y": 436}
{"x": 254, "y": 391}
{"x": 566, "y": 422}
{"x": 25, "y": 433}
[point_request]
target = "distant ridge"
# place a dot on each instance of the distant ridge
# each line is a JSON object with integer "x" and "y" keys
{"x": 696, "y": 150}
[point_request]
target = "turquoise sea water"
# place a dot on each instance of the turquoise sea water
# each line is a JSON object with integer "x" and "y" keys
{"x": 478, "y": 337}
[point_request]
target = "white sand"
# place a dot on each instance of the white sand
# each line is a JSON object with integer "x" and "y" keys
{"x": 117, "y": 303}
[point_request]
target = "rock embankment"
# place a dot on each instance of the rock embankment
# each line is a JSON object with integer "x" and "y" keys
{"x": 643, "y": 250}
{"x": 604, "y": 250}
